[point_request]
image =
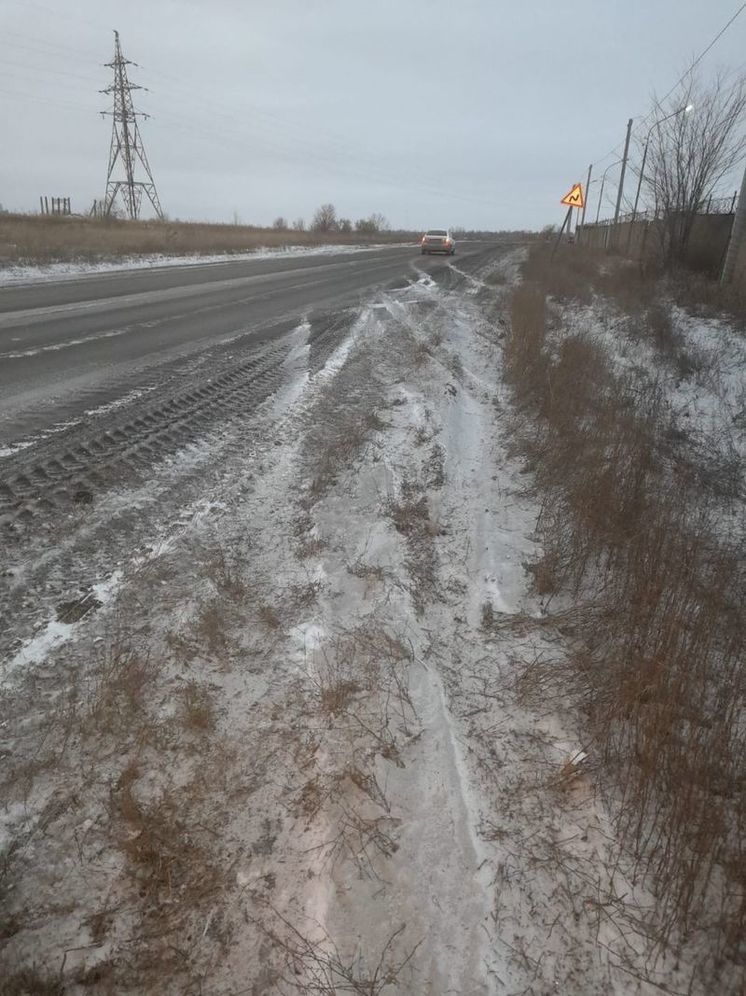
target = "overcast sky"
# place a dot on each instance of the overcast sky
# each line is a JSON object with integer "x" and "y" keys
{"x": 479, "y": 113}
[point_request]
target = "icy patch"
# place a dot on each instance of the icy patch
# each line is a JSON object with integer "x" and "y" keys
{"x": 6, "y": 451}
{"x": 12, "y": 448}
{"x": 55, "y": 633}
{"x": 309, "y": 636}
{"x": 295, "y": 369}
{"x": 124, "y": 400}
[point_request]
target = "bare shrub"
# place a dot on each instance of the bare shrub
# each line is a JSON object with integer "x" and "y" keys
{"x": 172, "y": 868}
{"x": 410, "y": 514}
{"x": 314, "y": 964}
{"x": 302, "y": 596}
{"x": 269, "y": 617}
{"x": 525, "y": 357}
{"x": 198, "y": 708}
{"x": 30, "y": 982}
{"x": 703, "y": 295}
{"x": 210, "y": 626}
{"x": 115, "y": 689}
{"x": 689, "y": 154}
{"x": 658, "y": 622}
{"x": 226, "y": 574}
{"x": 568, "y": 275}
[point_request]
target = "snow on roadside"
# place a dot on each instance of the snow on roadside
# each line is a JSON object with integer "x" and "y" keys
{"x": 380, "y": 771}
{"x": 701, "y": 373}
{"x": 24, "y": 274}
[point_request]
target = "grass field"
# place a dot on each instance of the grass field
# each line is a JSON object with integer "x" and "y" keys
{"x": 46, "y": 239}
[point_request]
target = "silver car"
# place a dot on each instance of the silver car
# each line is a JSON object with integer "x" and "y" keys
{"x": 438, "y": 240}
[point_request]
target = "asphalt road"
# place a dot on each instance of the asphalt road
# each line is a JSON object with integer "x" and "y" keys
{"x": 77, "y": 344}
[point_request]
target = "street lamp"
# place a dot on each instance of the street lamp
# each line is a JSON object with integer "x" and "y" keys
{"x": 603, "y": 181}
{"x": 654, "y": 125}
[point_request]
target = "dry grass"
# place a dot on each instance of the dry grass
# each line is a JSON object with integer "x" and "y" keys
{"x": 702, "y": 295}
{"x": 269, "y": 617}
{"x": 227, "y": 575}
{"x": 210, "y": 626}
{"x": 43, "y": 239}
{"x": 198, "y": 708}
{"x": 29, "y": 982}
{"x": 659, "y": 623}
{"x": 114, "y": 692}
{"x": 577, "y": 273}
{"x": 315, "y": 965}
{"x": 173, "y": 870}
{"x": 411, "y": 517}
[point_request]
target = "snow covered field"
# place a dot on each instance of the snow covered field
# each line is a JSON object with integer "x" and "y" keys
{"x": 297, "y": 744}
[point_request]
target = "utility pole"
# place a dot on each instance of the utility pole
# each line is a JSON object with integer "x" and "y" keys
{"x": 587, "y": 195}
{"x": 126, "y": 150}
{"x": 737, "y": 232}
{"x": 621, "y": 177}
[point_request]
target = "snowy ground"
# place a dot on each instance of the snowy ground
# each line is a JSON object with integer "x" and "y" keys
{"x": 699, "y": 371}
{"x": 11, "y": 274}
{"x": 297, "y": 742}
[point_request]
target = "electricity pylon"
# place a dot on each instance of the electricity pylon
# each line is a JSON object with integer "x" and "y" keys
{"x": 126, "y": 145}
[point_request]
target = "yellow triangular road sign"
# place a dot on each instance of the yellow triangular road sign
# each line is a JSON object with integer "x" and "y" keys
{"x": 574, "y": 198}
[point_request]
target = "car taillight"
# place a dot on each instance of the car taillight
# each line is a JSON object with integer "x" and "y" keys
{"x": 446, "y": 241}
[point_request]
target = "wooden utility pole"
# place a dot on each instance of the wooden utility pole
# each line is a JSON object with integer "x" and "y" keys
{"x": 737, "y": 233}
{"x": 587, "y": 194}
{"x": 621, "y": 177}
{"x": 568, "y": 220}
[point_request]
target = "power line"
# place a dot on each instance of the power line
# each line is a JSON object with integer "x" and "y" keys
{"x": 695, "y": 63}
{"x": 703, "y": 53}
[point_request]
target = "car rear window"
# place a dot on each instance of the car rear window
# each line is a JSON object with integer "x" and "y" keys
{"x": 437, "y": 231}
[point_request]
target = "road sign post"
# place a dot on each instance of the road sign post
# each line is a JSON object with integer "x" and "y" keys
{"x": 573, "y": 199}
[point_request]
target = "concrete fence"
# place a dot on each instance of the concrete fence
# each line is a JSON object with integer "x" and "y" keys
{"x": 643, "y": 240}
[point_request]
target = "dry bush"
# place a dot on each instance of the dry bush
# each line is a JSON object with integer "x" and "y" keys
{"x": 365, "y": 571}
{"x": 115, "y": 689}
{"x": 333, "y": 446}
{"x": 703, "y": 295}
{"x": 198, "y": 708}
{"x": 269, "y": 617}
{"x": 315, "y": 965}
{"x": 410, "y": 514}
{"x": 30, "y": 982}
{"x": 568, "y": 275}
{"x": 210, "y": 626}
{"x": 174, "y": 872}
{"x": 362, "y": 677}
{"x": 526, "y": 361}
{"x": 659, "y": 621}
{"x": 576, "y": 273}
{"x": 226, "y": 574}
{"x": 411, "y": 517}
{"x": 303, "y": 596}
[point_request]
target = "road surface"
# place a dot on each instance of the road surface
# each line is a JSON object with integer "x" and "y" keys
{"x": 72, "y": 346}
{"x": 118, "y": 391}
